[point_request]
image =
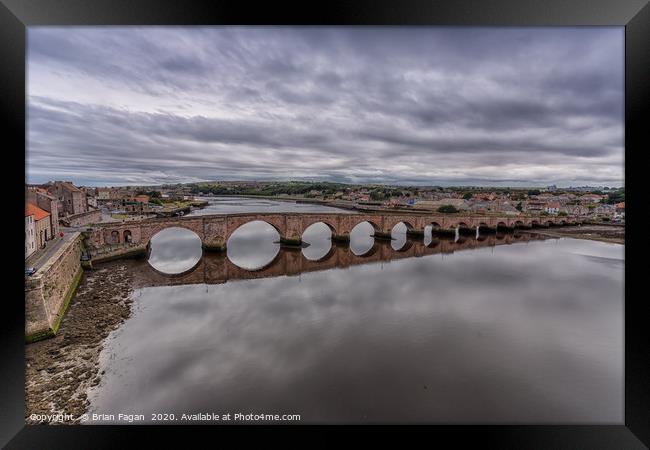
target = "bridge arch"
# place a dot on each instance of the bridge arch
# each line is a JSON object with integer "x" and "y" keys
{"x": 330, "y": 252}
{"x": 374, "y": 248}
{"x": 372, "y": 223}
{"x": 406, "y": 223}
{"x": 311, "y": 224}
{"x": 182, "y": 274}
{"x": 173, "y": 250}
{"x": 317, "y": 241}
{"x": 404, "y": 247}
{"x": 308, "y": 221}
{"x": 433, "y": 244}
{"x": 253, "y": 244}
{"x": 254, "y": 222}
{"x": 259, "y": 268}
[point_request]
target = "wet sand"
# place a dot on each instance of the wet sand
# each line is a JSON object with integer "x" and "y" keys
{"x": 60, "y": 370}
{"x": 603, "y": 233}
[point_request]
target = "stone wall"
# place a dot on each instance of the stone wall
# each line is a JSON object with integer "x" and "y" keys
{"x": 114, "y": 251}
{"x": 86, "y": 218}
{"x": 49, "y": 291}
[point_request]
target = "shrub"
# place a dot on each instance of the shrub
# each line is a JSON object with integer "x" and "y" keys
{"x": 447, "y": 209}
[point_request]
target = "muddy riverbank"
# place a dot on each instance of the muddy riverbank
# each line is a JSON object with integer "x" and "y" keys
{"x": 603, "y": 233}
{"x": 60, "y": 370}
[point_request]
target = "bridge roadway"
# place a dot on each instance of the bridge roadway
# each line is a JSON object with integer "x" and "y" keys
{"x": 118, "y": 239}
{"x": 216, "y": 268}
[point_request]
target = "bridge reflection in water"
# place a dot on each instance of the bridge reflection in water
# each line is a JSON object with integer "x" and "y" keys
{"x": 216, "y": 268}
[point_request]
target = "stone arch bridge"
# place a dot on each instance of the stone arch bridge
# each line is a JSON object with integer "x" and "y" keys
{"x": 216, "y": 268}
{"x": 117, "y": 239}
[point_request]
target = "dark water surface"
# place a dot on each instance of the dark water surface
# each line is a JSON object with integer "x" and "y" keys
{"x": 530, "y": 332}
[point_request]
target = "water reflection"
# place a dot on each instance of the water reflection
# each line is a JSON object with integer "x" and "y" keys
{"x": 175, "y": 250}
{"x": 495, "y": 333}
{"x": 361, "y": 240}
{"x": 253, "y": 245}
{"x": 522, "y": 333}
{"x": 319, "y": 238}
{"x": 234, "y": 205}
{"x": 216, "y": 268}
{"x": 398, "y": 235}
{"x": 428, "y": 235}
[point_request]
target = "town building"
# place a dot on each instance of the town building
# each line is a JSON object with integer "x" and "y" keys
{"x": 620, "y": 211}
{"x": 507, "y": 208}
{"x": 91, "y": 201}
{"x": 458, "y": 203}
{"x": 41, "y": 198}
{"x": 30, "y": 232}
{"x": 607, "y": 211}
{"x": 552, "y": 208}
{"x": 535, "y": 206}
{"x": 592, "y": 198}
{"x": 103, "y": 193}
{"x": 72, "y": 199}
{"x": 576, "y": 210}
{"x": 42, "y": 231}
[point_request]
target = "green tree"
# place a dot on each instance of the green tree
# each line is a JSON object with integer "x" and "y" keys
{"x": 519, "y": 206}
{"x": 447, "y": 209}
{"x": 534, "y": 192}
{"x": 467, "y": 196}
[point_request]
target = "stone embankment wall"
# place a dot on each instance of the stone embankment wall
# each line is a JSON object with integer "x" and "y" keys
{"x": 48, "y": 292}
{"x": 115, "y": 251}
{"x": 81, "y": 219}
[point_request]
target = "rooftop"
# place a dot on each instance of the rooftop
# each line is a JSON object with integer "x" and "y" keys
{"x": 33, "y": 210}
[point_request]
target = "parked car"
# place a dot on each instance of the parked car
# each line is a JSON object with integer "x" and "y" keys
{"x": 29, "y": 271}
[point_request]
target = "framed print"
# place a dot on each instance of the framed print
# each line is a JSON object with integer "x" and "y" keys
{"x": 407, "y": 218}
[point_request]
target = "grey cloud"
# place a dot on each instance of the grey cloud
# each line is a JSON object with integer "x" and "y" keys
{"x": 378, "y": 104}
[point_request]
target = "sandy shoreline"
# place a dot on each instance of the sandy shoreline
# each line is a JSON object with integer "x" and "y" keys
{"x": 59, "y": 371}
{"x": 601, "y": 233}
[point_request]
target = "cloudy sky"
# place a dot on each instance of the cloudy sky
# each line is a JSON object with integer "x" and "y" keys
{"x": 396, "y": 105}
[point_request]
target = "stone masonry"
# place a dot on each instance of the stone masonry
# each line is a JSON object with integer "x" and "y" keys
{"x": 49, "y": 291}
{"x": 214, "y": 230}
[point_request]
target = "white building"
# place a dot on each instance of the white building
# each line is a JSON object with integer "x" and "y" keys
{"x": 91, "y": 201}
{"x": 30, "y": 235}
{"x": 552, "y": 208}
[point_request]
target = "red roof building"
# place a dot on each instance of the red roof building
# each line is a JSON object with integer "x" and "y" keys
{"x": 33, "y": 210}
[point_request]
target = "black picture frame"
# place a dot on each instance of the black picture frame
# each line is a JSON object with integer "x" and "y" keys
{"x": 634, "y": 15}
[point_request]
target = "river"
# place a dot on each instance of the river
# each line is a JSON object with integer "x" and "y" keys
{"x": 525, "y": 332}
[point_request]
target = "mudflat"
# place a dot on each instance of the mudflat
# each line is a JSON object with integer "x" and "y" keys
{"x": 605, "y": 233}
{"x": 59, "y": 371}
